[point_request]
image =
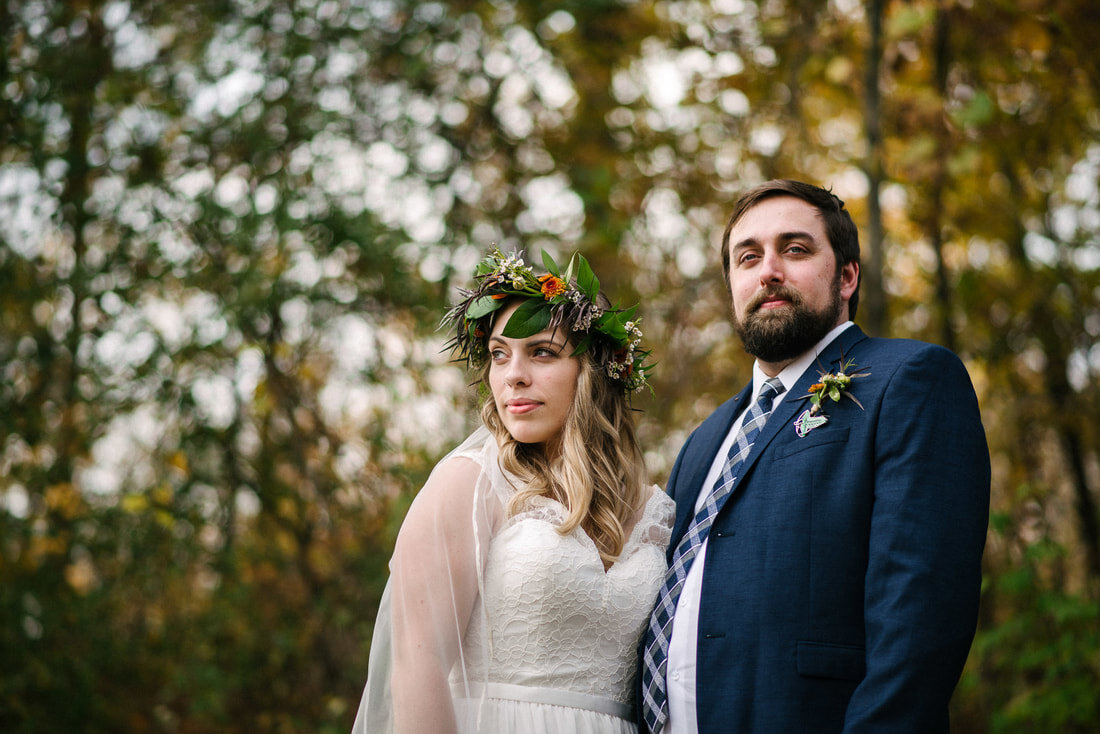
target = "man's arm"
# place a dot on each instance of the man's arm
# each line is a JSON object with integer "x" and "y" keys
{"x": 928, "y": 529}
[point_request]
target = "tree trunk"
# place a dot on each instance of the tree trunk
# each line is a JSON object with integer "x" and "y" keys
{"x": 873, "y": 298}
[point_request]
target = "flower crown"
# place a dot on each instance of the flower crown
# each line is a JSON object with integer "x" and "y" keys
{"x": 611, "y": 336}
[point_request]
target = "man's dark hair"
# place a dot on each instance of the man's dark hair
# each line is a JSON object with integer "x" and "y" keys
{"x": 839, "y": 227}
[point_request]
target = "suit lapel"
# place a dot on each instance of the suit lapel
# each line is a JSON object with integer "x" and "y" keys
{"x": 696, "y": 466}
{"x": 839, "y": 350}
{"x": 782, "y": 418}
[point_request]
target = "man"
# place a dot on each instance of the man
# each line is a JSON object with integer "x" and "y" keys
{"x": 824, "y": 578}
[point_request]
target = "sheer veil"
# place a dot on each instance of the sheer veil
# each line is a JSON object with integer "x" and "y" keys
{"x": 447, "y": 529}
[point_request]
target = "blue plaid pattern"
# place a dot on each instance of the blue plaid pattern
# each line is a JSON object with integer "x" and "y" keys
{"x": 655, "y": 657}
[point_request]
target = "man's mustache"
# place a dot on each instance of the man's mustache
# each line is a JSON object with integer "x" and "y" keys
{"x": 774, "y": 291}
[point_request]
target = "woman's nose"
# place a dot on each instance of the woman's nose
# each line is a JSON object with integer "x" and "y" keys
{"x": 518, "y": 372}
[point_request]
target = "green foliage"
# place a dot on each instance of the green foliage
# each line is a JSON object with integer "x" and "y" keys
{"x": 1043, "y": 656}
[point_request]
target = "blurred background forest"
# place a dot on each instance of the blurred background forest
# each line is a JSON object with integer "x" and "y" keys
{"x": 228, "y": 230}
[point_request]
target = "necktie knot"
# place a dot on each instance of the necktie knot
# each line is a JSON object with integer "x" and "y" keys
{"x": 771, "y": 389}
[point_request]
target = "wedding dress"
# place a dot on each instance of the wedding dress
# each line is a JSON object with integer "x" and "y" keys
{"x": 551, "y": 641}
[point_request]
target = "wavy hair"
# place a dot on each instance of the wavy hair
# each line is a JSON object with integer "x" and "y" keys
{"x": 598, "y": 470}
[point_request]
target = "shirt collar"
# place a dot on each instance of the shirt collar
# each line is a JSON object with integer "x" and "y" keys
{"x": 792, "y": 372}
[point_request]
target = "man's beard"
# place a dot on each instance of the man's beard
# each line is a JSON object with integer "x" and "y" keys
{"x": 790, "y": 331}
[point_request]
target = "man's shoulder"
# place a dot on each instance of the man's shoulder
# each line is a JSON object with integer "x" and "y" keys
{"x": 897, "y": 359}
{"x": 900, "y": 349}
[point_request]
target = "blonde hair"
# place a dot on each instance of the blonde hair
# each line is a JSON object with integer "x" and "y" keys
{"x": 598, "y": 470}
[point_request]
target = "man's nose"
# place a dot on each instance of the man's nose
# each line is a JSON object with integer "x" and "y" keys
{"x": 771, "y": 269}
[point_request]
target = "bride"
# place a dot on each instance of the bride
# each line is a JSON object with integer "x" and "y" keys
{"x": 526, "y": 568}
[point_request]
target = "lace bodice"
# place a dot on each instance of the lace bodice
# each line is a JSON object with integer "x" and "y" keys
{"x": 549, "y": 615}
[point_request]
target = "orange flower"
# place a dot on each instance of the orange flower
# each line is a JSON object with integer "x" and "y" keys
{"x": 552, "y": 286}
{"x": 816, "y": 386}
{"x": 498, "y": 296}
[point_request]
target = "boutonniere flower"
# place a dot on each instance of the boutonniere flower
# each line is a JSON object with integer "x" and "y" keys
{"x": 831, "y": 385}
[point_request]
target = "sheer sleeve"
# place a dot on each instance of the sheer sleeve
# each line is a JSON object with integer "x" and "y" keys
{"x": 435, "y": 580}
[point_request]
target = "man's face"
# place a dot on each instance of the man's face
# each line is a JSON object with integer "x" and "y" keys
{"x": 786, "y": 289}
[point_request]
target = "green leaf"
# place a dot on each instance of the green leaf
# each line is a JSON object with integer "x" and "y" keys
{"x": 587, "y": 280}
{"x": 483, "y": 306}
{"x": 611, "y": 323}
{"x": 582, "y": 346}
{"x": 568, "y": 277}
{"x": 486, "y": 266}
{"x": 530, "y": 318}
{"x": 550, "y": 265}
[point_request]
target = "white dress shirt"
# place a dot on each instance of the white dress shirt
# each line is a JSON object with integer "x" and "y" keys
{"x": 685, "y": 623}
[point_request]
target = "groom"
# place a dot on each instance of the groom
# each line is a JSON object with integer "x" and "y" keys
{"x": 825, "y": 563}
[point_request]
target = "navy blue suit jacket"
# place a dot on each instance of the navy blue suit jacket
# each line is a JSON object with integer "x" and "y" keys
{"x": 841, "y": 579}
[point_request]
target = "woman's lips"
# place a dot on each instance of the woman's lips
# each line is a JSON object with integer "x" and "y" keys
{"x": 521, "y": 406}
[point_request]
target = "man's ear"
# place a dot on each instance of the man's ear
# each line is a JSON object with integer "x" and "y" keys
{"x": 849, "y": 281}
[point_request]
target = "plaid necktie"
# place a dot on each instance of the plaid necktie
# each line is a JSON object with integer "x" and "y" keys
{"x": 655, "y": 658}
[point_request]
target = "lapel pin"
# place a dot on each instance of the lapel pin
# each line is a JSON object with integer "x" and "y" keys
{"x": 808, "y": 421}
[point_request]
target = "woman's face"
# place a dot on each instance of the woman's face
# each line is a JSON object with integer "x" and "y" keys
{"x": 533, "y": 381}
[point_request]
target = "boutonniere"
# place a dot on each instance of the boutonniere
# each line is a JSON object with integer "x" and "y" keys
{"x": 832, "y": 385}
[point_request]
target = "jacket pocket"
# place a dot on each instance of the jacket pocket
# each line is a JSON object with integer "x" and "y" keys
{"x": 829, "y": 660}
{"x": 818, "y": 437}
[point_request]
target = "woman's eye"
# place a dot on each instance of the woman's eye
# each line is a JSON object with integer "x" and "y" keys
{"x": 496, "y": 355}
{"x": 545, "y": 352}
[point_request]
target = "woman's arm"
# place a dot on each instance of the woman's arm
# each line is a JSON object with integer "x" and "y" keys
{"x": 434, "y": 576}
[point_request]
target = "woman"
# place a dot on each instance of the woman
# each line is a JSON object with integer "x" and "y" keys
{"x": 526, "y": 568}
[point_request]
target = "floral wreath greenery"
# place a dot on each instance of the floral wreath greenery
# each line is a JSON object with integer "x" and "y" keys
{"x": 612, "y": 336}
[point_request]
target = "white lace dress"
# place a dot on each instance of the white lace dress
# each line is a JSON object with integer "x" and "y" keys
{"x": 551, "y": 643}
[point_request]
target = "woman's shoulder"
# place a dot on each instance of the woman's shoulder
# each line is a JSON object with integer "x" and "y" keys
{"x": 654, "y": 523}
{"x": 479, "y": 449}
{"x": 659, "y": 500}
{"x": 469, "y": 475}
{"x": 456, "y": 473}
